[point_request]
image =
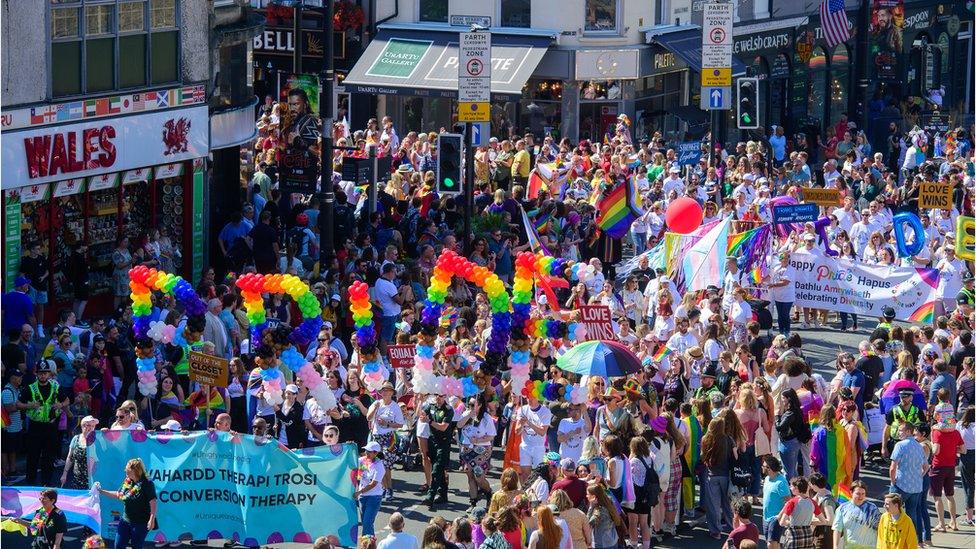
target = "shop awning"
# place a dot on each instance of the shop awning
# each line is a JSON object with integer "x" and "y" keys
{"x": 686, "y": 45}
{"x": 424, "y": 63}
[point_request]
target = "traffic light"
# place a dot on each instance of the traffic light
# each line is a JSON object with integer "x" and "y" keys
{"x": 448, "y": 163}
{"x": 747, "y": 111}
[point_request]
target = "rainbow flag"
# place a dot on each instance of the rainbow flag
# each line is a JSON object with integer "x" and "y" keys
{"x": 4, "y": 418}
{"x": 843, "y": 493}
{"x": 831, "y": 454}
{"x": 197, "y": 399}
{"x": 618, "y": 210}
{"x": 661, "y": 353}
{"x": 742, "y": 241}
{"x": 535, "y": 185}
{"x": 170, "y": 399}
{"x": 756, "y": 275}
{"x": 535, "y": 243}
{"x": 542, "y": 223}
{"x": 924, "y": 314}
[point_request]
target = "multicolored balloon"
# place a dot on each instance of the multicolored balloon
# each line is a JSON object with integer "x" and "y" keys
{"x": 143, "y": 281}
{"x": 252, "y": 285}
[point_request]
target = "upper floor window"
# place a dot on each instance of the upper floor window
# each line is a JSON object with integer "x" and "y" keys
{"x": 104, "y": 45}
{"x": 516, "y": 13}
{"x": 433, "y": 11}
{"x": 601, "y": 16}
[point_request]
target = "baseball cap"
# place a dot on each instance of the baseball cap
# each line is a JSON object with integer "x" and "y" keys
{"x": 674, "y": 169}
{"x": 373, "y": 446}
{"x": 90, "y": 419}
{"x": 21, "y": 281}
{"x": 291, "y": 388}
{"x": 172, "y": 425}
{"x": 47, "y": 365}
{"x": 335, "y": 297}
{"x": 567, "y": 464}
{"x": 809, "y": 237}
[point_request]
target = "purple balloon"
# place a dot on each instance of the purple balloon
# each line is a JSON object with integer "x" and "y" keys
{"x": 820, "y": 226}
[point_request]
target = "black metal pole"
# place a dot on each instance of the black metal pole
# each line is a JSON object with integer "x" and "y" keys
{"x": 327, "y": 204}
{"x": 296, "y": 39}
{"x": 468, "y": 187}
{"x": 857, "y": 106}
{"x": 373, "y": 182}
{"x": 713, "y": 122}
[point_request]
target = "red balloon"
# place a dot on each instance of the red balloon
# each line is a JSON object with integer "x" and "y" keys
{"x": 683, "y": 215}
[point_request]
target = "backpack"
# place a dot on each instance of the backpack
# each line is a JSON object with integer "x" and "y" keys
{"x": 651, "y": 489}
{"x": 296, "y": 237}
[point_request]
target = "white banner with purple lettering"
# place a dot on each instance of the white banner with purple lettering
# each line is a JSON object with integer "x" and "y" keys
{"x": 825, "y": 282}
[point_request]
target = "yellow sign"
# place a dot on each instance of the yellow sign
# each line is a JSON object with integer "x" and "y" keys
{"x": 716, "y": 76}
{"x": 474, "y": 112}
{"x": 209, "y": 369}
{"x": 822, "y": 197}
{"x": 935, "y": 195}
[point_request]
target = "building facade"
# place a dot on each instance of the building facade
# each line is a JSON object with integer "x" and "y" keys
{"x": 111, "y": 120}
{"x": 568, "y": 68}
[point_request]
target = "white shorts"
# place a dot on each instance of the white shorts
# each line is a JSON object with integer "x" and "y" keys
{"x": 530, "y": 456}
{"x": 423, "y": 429}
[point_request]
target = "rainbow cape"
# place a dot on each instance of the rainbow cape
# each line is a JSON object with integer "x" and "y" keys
{"x": 831, "y": 455}
{"x": 619, "y": 209}
{"x": 693, "y": 449}
{"x": 198, "y": 399}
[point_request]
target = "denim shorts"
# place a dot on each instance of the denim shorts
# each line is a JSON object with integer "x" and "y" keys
{"x": 772, "y": 530}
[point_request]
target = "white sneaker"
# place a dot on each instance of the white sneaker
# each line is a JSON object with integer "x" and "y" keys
{"x": 40, "y": 332}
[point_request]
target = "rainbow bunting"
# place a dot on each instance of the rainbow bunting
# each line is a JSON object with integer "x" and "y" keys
{"x": 617, "y": 210}
{"x": 924, "y": 314}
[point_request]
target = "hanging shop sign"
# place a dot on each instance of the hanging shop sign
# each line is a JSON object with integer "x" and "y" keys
{"x": 34, "y": 193}
{"x": 102, "y": 182}
{"x": 70, "y": 151}
{"x": 11, "y": 237}
{"x": 169, "y": 170}
{"x": 197, "y": 223}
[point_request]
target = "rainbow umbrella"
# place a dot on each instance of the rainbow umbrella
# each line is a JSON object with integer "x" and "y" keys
{"x": 890, "y": 399}
{"x": 600, "y": 358}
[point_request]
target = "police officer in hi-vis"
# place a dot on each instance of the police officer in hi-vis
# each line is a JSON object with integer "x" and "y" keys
{"x": 44, "y": 401}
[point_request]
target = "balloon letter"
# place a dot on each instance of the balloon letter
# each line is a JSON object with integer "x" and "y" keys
{"x": 898, "y": 228}
{"x": 966, "y": 237}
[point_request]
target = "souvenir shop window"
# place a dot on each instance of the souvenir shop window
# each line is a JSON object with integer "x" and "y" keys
{"x": 170, "y": 206}
{"x": 516, "y": 13}
{"x": 68, "y": 222}
{"x": 544, "y": 90}
{"x": 601, "y": 15}
{"x": 541, "y": 118}
{"x": 103, "y": 230}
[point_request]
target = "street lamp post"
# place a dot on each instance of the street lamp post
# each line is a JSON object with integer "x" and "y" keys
{"x": 327, "y": 189}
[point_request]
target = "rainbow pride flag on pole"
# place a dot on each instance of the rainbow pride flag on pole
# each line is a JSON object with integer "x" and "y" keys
{"x": 533, "y": 236}
{"x": 692, "y": 453}
{"x": 619, "y": 209}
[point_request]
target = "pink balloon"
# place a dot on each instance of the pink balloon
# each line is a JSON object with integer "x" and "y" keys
{"x": 683, "y": 215}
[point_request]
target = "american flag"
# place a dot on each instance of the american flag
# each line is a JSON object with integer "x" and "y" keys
{"x": 833, "y": 19}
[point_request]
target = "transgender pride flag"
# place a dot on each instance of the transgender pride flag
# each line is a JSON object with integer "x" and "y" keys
{"x": 79, "y": 506}
{"x": 704, "y": 262}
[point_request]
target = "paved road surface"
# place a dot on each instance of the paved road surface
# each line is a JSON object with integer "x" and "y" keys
{"x": 821, "y": 345}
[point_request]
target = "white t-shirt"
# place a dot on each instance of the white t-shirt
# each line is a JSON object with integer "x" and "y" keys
{"x": 374, "y": 471}
{"x": 682, "y": 342}
{"x": 540, "y": 416}
{"x": 741, "y": 312}
{"x": 573, "y": 447}
{"x": 384, "y": 291}
{"x": 712, "y": 349}
{"x": 390, "y": 412}
{"x": 315, "y": 414}
{"x": 779, "y": 273}
{"x": 474, "y": 428}
{"x": 398, "y": 540}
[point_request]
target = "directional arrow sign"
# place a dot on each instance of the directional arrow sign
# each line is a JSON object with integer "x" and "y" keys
{"x": 716, "y": 98}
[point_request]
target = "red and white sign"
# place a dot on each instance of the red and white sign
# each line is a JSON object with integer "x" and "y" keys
{"x": 135, "y": 176}
{"x": 401, "y": 356}
{"x": 57, "y": 153}
{"x": 598, "y": 322}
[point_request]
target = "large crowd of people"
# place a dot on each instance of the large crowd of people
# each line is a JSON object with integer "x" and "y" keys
{"x": 724, "y": 423}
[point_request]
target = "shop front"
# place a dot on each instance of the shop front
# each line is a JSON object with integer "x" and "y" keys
{"x": 91, "y": 183}
{"x": 413, "y": 70}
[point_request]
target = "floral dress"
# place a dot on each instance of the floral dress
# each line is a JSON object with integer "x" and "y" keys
{"x": 78, "y": 457}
